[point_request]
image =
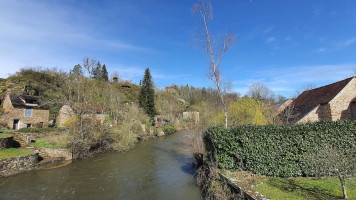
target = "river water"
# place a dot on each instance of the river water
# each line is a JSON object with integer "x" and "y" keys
{"x": 156, "y": 169}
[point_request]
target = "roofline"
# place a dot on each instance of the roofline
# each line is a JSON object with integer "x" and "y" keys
{"x": 308, "y": 113}
{"x": 338, "y": 94}
{"x": 352, "y": 78}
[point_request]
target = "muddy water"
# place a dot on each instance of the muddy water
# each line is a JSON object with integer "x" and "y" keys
{"x": 155, "y": 169}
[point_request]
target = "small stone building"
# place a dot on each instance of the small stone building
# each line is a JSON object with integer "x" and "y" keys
{"x": 191, "y": 115}
{"x": 24, "y": 111}
{"x": 66, "y": 113}
{"x": 331, "y": 102}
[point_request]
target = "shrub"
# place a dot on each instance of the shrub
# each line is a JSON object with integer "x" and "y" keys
{"x": 168, "y": 129}
{"x": 276, "y": 150}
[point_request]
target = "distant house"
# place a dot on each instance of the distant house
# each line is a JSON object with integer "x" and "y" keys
{"x": 66, "y": 113}
{"x": 330, "y": 102}
{"x": 191, "y": 114}
{"x": 170, "y": 89}
{"x": 24, "y": 111}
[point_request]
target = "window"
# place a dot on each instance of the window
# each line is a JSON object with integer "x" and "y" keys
{"x": 29, "y": 125}
{"x": 28, "y": 112}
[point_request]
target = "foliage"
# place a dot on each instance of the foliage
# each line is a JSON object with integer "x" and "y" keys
{"x": 13, "y": 152}
{"x": 168, "y": 129}
{"x": 147, "y": 94}
{"x": 69, "y": 122}
{"x": 276, "y": 150}
{"x": 244, "y": 111}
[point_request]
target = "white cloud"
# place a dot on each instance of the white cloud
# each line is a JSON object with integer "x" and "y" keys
{"x": 348, "y": 42}
{"x": 270, "y": 40}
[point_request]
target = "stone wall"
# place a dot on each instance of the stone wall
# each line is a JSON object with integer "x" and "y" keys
{"x": 64, "y": 114}
{"x": 56, "y": 153}
{"x": 6, "y": 143}
{"x": 341, "y": 104}
{"x": 191, "y": 116}
{"x": 15, "y": 165}
{"x": 37, "y": 115}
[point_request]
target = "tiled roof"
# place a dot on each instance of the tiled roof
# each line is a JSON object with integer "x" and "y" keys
{"x": 20, "y": 100}
{"x": 309, "y": 99}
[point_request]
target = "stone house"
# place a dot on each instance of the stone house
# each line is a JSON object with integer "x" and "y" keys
{"x": 330, "y": 102}
{"x": 24, "y": 111}
{"x": 191, "y": 115}
{"x": 66, "y": 113}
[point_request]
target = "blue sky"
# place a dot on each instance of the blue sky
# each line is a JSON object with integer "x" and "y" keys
{"x": 284, "y": 44}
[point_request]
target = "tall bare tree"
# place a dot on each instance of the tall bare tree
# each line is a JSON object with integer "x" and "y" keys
{"x": 215, "y": 48}
{"x": 90, "y": 65}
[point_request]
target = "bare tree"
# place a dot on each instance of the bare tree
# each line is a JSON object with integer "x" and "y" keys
{"x": 260, "y": 91}
{"x": 214, "y": 48}
{"x": 115, "y": 77}
{"x": 331, "y": 161}
{"x": 89, "y": 65}
{"x": 305, "y": 87}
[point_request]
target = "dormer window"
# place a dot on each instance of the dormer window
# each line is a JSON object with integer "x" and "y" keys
{"x": 28, "y": 112}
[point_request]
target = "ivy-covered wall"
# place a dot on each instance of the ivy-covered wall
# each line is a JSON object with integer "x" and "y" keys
{"x": 276, "y": 150}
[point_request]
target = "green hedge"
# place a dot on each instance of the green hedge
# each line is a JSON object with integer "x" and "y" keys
{"x": 276, "y": 150}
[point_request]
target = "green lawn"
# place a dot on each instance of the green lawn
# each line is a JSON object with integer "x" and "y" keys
{"x": 13, "y": 152}
{"x": 3, "y": 135}
{"x": 305, "y": 188}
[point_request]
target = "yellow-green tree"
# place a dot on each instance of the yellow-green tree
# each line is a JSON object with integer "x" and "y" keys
{"x": 244, "y": 111}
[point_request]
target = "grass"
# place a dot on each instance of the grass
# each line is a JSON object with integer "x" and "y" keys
{"x": 327, "y": 188}
{"x": 3, "y": 135}
{"x": 13, "y": 152}
{"x": 294, "y": 188}
{"x": 41, "y": 130}
{"x": 54, "y": 141}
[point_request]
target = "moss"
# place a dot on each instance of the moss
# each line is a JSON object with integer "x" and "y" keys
{"x": 13, "y": 152}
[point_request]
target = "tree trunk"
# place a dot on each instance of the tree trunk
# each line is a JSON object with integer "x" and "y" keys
{"x": 343, "y": 185}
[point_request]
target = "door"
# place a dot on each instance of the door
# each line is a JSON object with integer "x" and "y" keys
{"x": 16, "y": 124}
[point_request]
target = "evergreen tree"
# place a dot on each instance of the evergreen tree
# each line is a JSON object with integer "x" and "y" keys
{"x": 147, "y": 95}
{"x": 97, "y": 71}
{"x": 104, "y": 74}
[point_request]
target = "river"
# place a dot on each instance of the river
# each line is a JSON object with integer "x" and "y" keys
{"x": 155, "y": 169}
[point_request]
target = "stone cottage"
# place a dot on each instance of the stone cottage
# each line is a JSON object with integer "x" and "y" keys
{"x": 24, "y": 111}
{"x": 93, "y": 112}
{"x": 331, "y": 102}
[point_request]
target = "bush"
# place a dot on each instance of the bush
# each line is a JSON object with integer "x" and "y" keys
{"x": 276, "y": 150}
{"x": 168, "y": 129}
